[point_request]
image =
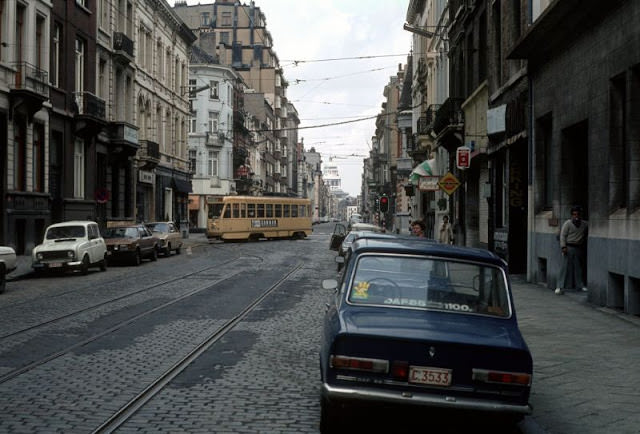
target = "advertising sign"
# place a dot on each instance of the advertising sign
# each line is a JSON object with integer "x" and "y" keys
{"x": 463, "y": 157}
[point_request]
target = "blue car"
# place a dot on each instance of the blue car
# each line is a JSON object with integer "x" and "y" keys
{"x": 418, "y": 323}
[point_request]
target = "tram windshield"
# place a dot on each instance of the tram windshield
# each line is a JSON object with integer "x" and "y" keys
{"x": 215, "y": 210}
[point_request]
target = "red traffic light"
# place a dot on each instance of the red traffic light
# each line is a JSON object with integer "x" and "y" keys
{"x": 384, "y": 204}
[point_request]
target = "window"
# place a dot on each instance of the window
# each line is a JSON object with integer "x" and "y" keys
{"x": 226, "y": 19}
{"x": 102, "y": 79}
{"x": 205, "y": 19}
{"x": 192, "y": 87}
{"x": 213, "y": 122}
{"x": 224, "y": 38}
{"x": 213, "y": 90}
{"x": 212, "y": 164}
{"x": 193, "y": 124}
{"x": 79, "y": 69}
{"x": 78, "y": 169}
{"x": 40, "y": 41}
{"x": 160, "y": 61}
{"x": 193, "y": 154}
{"x": 56, "y": 55}
{"x": 38, "y": 158}
{"x": 103, "y": 14}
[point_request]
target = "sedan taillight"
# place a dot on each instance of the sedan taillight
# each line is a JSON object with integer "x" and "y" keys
{"x": 359, "y": 364}
{"x": 501, "y": 377}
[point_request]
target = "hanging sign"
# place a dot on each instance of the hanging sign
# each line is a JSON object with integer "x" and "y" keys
{"x": 463, "y": 157}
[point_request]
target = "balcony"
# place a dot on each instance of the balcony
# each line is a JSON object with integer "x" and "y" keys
{"x": 449, "y": 115}
{"x": 29, "y": 90}
{"x": 124, "y": 139}
{"x": 122, "y": 48}
{"x": 277, "y": 155}
{"x": 148, "y": 154}
{"x": 214, "y": 139}
{"x": 90, "y": 114}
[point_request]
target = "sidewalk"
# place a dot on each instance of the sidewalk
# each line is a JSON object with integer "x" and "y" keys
{"x": 585, "y": 359}
{"x": 23, "y": 262}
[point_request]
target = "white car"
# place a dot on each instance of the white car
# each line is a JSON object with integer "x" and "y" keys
{"x": 7, "y": 265}
{"x": 72, "y": 245}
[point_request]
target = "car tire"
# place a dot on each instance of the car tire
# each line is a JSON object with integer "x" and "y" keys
{"x": 137, "y": 258}
{"x": 178, "y": 249}
{"x": 84, "y": 267}
{"x": 103, "y": 263}
{"x": 3, "y": 278}
{"x": 154, "y": 253}
{"x": 167, "y": 250}
{"x": 328, "y": 417}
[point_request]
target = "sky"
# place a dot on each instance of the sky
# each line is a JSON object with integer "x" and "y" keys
{"x": 367, "y": 38}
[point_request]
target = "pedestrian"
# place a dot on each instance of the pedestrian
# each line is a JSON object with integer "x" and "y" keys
{"x": 446, "y": 233}
{"x": 418, "y": 228}
{"x": 573, "y": 243}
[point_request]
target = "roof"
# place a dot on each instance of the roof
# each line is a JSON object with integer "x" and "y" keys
{"x": 421, "y": 246}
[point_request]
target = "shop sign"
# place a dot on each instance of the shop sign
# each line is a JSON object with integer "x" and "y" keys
{"x": 145, "y": 176}
{"x": 428, "y": 183}
{"x": 449, "y": 183}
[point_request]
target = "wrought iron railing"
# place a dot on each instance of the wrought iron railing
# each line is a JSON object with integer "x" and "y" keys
{"x": 90, "y": 105}
{"x": 122, "y": 42}
{"x": 30, "y": 77}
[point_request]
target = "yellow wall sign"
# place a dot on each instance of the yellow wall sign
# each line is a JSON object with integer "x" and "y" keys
{"x": 449, "y": 183}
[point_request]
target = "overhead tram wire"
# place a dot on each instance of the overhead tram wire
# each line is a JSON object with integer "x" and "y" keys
{"x": 333, "y": 123}
{"x": 298, "y": 62}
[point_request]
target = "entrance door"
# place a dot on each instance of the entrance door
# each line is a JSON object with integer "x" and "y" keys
{"x": 518, "y": 207}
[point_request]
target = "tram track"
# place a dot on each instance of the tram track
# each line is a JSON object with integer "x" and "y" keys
{"x": 115, "y": 299}
{"x": 135, "y": 404}
{"x": 43, "y": 360}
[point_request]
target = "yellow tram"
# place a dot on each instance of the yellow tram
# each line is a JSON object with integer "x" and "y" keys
{"x": 254, "y": 217}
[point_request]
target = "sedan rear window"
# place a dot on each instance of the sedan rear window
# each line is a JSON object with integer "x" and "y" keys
{"x": 403, "y": 281}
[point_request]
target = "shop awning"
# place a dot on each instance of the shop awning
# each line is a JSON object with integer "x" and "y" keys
{"x": 182, "y": 186}
{"x": 426, "y": 168}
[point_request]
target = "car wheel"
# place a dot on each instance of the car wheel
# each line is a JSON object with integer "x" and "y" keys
{"x": 154, "y": 254}
{"x": 137, "y": 259}
{"x": 328, "y": 417}
{"x": 167, "y": 250}
{"x": 84, "y": 268}
{"x": 3, "y": 278}
{"x": 178, "y": 249}
{"x": 103, "y": 263}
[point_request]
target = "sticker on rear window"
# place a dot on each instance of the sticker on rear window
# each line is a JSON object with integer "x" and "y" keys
{"x": 361, "y": 290}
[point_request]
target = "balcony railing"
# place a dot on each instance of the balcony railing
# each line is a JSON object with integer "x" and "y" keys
{"x": 449, "y": 114}
{"x": 425, "y": 123}
{"x": 149, "y": 149}
{"x": 123, "y": 46}
{"x": 31, "y": 78}
{"x": 90, "y": 105}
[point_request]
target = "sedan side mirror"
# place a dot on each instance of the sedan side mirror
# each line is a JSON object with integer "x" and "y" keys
{"x": 329, "y": 284}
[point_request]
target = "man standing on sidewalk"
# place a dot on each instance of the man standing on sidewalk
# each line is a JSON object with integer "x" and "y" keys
{"x": 573, "y": 242}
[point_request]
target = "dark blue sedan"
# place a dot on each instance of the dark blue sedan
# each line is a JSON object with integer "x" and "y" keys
{"x": 420, "y": 323}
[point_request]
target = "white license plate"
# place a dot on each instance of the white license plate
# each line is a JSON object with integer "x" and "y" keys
{"x": 55, "y": 264}
{"x": 431, "y": 376}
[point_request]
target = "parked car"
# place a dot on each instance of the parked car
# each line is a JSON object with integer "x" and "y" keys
{"x": 7, "y": 265}
{"x": 131, "y": 243}
{"x": 168, "y": 235}
{"x": 72, "y": 245}
{"x": 417, "y": 323}
{"x": 340, "y": 232}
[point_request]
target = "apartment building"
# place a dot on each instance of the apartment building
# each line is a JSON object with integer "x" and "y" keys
{"x": 585, "y": 141}
{"x": 25, "y": 209}
{"x": 236, "y": 35}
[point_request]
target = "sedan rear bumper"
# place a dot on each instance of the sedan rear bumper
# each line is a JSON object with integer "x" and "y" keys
{"x": 424, "y": 399}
